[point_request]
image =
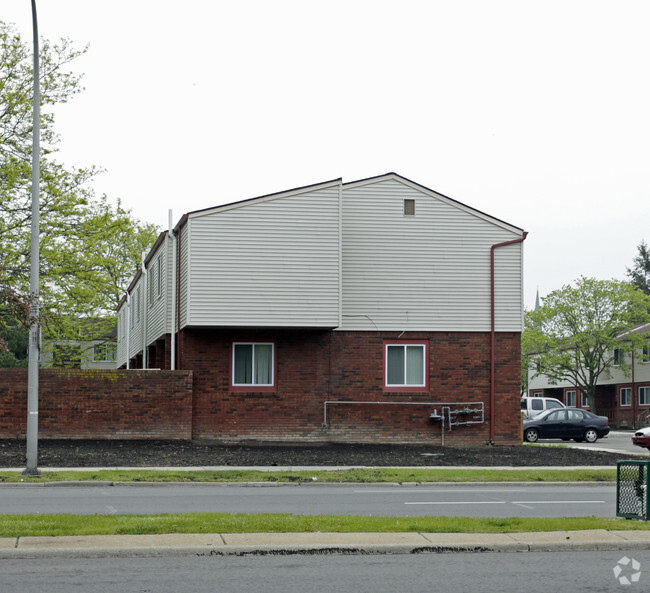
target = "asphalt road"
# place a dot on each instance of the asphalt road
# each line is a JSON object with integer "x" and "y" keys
{"x": 615, "y": 441}
{"x": 449, "y": 573}
{"x": 467, "y": 500}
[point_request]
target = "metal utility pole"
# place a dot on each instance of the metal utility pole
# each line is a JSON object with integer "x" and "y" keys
{"x": 34, "y": 278}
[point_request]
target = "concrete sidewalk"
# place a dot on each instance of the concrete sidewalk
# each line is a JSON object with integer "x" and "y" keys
{"x": 94, "y": 546}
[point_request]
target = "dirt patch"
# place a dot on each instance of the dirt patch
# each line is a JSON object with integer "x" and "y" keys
{"x": 93, "y": 453}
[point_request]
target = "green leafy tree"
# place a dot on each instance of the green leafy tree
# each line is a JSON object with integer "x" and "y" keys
{"x": 573, "y": 335}
{"x": 639, "y": 274}
{"x": 89, "y": 248}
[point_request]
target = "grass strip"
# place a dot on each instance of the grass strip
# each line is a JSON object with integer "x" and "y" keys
{"x": 65, "y": 524}
{"x": 374, "y": 475}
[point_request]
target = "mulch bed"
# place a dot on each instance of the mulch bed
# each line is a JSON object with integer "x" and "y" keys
{"x": 112, "y": 453}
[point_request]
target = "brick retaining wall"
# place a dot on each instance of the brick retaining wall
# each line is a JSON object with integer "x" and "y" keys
{"x": 99, "y": 404}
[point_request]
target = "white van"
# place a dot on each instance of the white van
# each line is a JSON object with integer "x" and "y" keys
{"x": 531, "y": 406}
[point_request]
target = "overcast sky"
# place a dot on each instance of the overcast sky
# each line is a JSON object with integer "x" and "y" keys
{"x": 536, "y": 112}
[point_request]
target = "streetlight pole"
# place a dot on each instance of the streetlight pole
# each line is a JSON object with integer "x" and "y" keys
{"x": 34, "y": 277}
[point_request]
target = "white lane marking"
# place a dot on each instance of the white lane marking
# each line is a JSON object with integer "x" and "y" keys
{"x": 558, "y": 502}
{"x": 462, "y": 502}
{"x": 415, "y": 490}
{"x": 523, "y": 503}
{"x": 111, "y": 510}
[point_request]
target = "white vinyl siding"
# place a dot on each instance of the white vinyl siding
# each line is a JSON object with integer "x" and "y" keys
{"x": 266, "y": 263}
{"x": 135, "y": 333}
{"x": 429, "y": 271}
{"x": 184, "y": 239}
{"x": 335, "y": 256}
{"x": 122, "y": 323}
{"x": 158, "y": 313}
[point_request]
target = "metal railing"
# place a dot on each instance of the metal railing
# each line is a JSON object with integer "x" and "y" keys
{"x": 453, "y": 413}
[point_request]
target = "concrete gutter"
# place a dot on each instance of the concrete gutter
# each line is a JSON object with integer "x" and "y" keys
{"x": 241, "y": 544}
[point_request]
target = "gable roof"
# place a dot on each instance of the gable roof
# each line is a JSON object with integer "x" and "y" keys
{"x": 435, "y": 194}
{"x": 349, "y": 184}
{"x": 323, "y": 185}
{"x": 257, "y": 200}
{"x": 644, "y": 328}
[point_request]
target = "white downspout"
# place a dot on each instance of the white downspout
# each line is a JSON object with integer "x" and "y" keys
{"x": 128, "y": 330}
{"x": 172, "y": 287}
{"x": 145, "y": 300}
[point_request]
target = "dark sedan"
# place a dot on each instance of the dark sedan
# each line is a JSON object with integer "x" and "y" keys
{"x": 569, "y": 423}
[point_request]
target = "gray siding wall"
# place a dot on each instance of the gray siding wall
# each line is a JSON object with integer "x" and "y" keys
{"x": 183, "y": 280}
{"x": 158, "y": 308}
{"x": 122, "y": 321}
{"x": 137, "y": 316}
{"x": 311, "y": 258}
{"x": 158, "y": 305}
{"x": 267, "y": 263}
{"x": 427, "y": 272}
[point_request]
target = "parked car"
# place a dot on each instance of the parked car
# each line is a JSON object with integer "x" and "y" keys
{"x": 641, "y": 438}
{"x": 567, "y": 423}
{"x": 532, "y": 406}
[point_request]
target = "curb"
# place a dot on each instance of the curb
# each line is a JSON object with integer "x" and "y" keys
{"x": 262, "y": 544}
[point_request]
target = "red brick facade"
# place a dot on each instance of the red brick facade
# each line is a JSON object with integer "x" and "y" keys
{"x": 99, "y": 404}
{"x": 311, "y": 367}
{"x": 315, "y": 367}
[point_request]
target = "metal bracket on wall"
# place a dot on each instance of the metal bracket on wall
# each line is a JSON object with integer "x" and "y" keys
{"x": 453, "y": 413}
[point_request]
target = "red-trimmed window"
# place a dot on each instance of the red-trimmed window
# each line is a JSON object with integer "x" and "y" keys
{"x": 406, "y": 365}
{"x": 253, "y": 366}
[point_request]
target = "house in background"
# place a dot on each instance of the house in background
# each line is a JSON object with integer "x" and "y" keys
{"x": 94, "y": 347}
{"x": 371, "y": 311}
{"x": 623, "y": 392}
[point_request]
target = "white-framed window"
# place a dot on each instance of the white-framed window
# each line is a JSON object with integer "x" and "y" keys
{"x": 626, "y": 396}
{"x": 253, "y": 365}
{"x": 405, "y": 365}
{"x": 571, "y": 398}
{"x": 538, "y": 394}
{"x": 585, "y": 400}
{"x": 644, "y": 396}
{"x": 645, "y": 353}
{"x": 151, "y": 278}
{"x": 619, "y": 356}
{"x": 134, "y": 305}
{"x": 105, "y": 352}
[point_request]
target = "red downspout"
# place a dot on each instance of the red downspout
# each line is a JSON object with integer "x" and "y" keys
{"x": 493, "y": 330}
{"x": 178, "y": 300}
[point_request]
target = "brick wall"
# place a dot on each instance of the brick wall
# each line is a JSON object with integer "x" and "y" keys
{"x": 314, "y": 367}
{"x": 99, "y": 404}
